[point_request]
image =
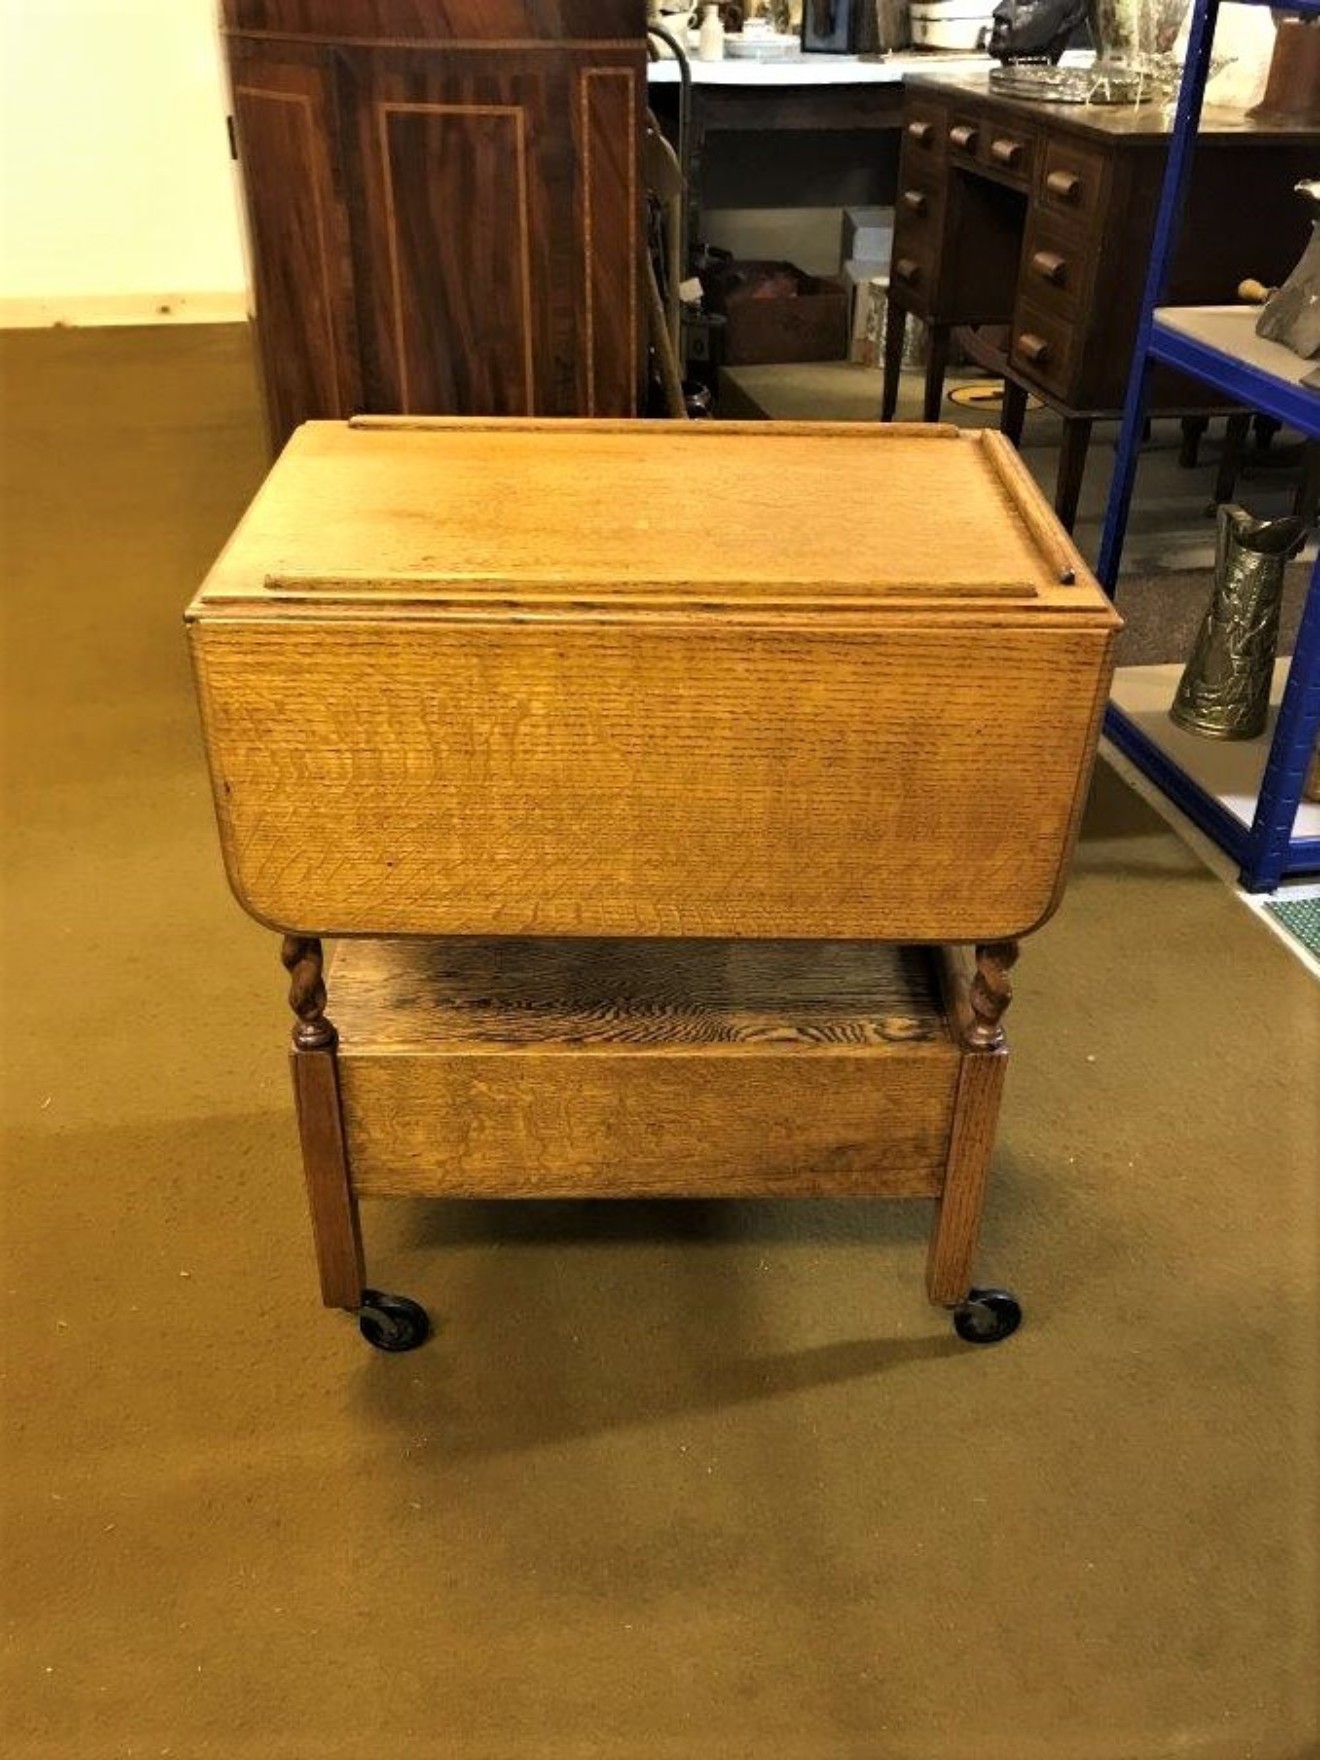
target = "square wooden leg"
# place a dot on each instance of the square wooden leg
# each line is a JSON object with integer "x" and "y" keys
{"x": 958, "y": 1209}
{"x": 335, "y": 1228}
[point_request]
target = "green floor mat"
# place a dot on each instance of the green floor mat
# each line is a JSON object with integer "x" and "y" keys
{"x": 1301, "y": 918}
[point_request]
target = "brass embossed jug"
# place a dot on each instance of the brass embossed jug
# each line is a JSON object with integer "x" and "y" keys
{"x": 1225, "y": 688}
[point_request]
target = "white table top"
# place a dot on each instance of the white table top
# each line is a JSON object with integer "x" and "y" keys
{"x": 816, "y": 70}
{"x": 834, "y": 70}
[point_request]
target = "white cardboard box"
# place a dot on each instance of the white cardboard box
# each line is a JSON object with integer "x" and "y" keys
{"x": 868, "y": 236}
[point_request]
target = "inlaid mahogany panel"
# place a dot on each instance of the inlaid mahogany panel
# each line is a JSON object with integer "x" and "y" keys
{"x": 509, "y": 21}
{"x": 460, "y": 323}
{"x": 302, "y": 285}
{"x": 445, "y": 204}
{"x": 608, "y": 106}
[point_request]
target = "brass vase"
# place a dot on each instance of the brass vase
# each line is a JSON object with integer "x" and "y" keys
{"x": 1224, "y": 692}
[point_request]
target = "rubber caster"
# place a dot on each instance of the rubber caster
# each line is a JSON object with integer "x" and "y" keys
{"x": 392, "y": 1323}
{"x": 987, "y": 1316}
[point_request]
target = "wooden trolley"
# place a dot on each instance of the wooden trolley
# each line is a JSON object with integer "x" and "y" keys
{"x": 676, "y": 795}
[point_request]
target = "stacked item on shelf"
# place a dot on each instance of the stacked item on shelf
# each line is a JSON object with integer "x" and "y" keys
{"x": 950, "y": 24}
{"x": 867, "y": 242}
{"x": 867, "y": 245}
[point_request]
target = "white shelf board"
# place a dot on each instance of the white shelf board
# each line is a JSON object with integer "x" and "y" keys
{"x": 1227, "y": 769}
{"x": 1229, "y": 333}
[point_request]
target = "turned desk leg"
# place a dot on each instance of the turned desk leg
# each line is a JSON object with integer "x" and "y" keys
{"x": 1013, "y": 412}
{"x": 895, "y": 335}
{"x": 958, "y": 1209}
{"x": 937, "y": 361}
{"x": 1072, "y": 468}
{"x": 314, "y": 1066}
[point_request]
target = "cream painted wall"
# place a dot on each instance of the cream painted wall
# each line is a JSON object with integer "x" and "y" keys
{"x": 117, "y": 194}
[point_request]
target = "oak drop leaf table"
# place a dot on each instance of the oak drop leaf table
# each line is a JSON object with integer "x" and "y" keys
{"x": 671, "y": 845}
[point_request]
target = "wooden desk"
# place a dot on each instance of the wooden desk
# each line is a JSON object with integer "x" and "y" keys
{"x": 828, "y": 95}
{"x": 1039, "y": 217}
{"x": 644, "y": 829}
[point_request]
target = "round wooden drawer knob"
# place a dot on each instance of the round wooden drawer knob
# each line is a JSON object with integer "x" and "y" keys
{"x": 906, "y": 270}
{"x": 1033, "y": 348}
{"x": 921, "y": 132}
{"x": 914, "y": 201}
{"x": 1064, "y": 184}
{"x": 1051, "y": 267}
{"x": 1007, "y": 152}
{"x": 963, "y": 137}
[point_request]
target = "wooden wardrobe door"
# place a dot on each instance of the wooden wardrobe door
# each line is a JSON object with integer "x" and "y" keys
{"x": 285, "y": 128}
{"x": 499, "y": 228}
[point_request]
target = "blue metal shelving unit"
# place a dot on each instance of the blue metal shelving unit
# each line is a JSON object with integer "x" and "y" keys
{"x": 1221, "y": 349}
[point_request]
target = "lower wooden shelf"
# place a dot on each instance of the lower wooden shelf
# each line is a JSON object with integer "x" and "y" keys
{"x": 625, "y": 1069}
{"x": 571, "y": 1068}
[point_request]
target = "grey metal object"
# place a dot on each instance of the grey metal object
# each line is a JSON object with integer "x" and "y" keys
{"x": 1224, "y": 692}
{"x": 1134, "y": 59}
{"x": 1291, "y": 315}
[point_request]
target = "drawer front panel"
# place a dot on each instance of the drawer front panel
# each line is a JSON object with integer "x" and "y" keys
{"x": 996, "y": 143}
{"x": 918, "y": 229}
{"x": 966, "y": 136}
{"x": 924, "y": 129}
{"x": 1056, "y": 265}
{"x": 1072, "y": 180}
{"x": 1010, "y": 152}
{"x": 1044, "y": 345}
{"x": 636, "y": 777}
{"x": 634, "y": 1124}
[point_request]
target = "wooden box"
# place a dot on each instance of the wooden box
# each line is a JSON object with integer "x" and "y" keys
{"x": 809, "y": 325}
{"x": 647, "y": 819}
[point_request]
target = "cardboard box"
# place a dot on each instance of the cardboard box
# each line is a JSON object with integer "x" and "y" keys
{"x": 868, "y": 236}
{"x": 808, "y": 321}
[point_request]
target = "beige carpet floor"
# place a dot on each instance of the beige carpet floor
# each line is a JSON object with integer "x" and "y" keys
{"x": 671, "y": 1482}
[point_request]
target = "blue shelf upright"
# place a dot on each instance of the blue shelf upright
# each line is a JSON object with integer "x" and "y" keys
{"x": 1220, "y": 348}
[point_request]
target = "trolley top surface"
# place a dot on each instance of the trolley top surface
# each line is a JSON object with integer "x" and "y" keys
{"x": 410, "y": 511}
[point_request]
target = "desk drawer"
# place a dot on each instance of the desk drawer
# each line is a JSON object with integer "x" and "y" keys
{"x": 1056, "y": 265}
{"x": 1044, "y": 346}
{"x": 1072, "y": 180}
{"x": 995, "y": 144}
{"x": 966, "y": 135}
{"x": 918, "y": 228}
{"x": 924, "y": 129}
{"x": 1009, "y": 151}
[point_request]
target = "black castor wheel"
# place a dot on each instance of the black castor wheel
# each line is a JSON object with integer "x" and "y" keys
{"x": 392, "y": 1323}
{"x": 987, "y": 1316}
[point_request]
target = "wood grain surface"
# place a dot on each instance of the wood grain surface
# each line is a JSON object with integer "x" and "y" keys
{"x": 811, "y": 514}
{"x": 302, "y": 285}
{"x": 495, "y": 678}
{"x": 335, "y": 1229}
{"x": 466, "y": 994}
{"x": 643, "y": 778}
{"x": 447, "y": 21}
{"x": 444, "y": 204}
{"x": 625, "y": 1069}
{"x": 959, "y": 1208}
